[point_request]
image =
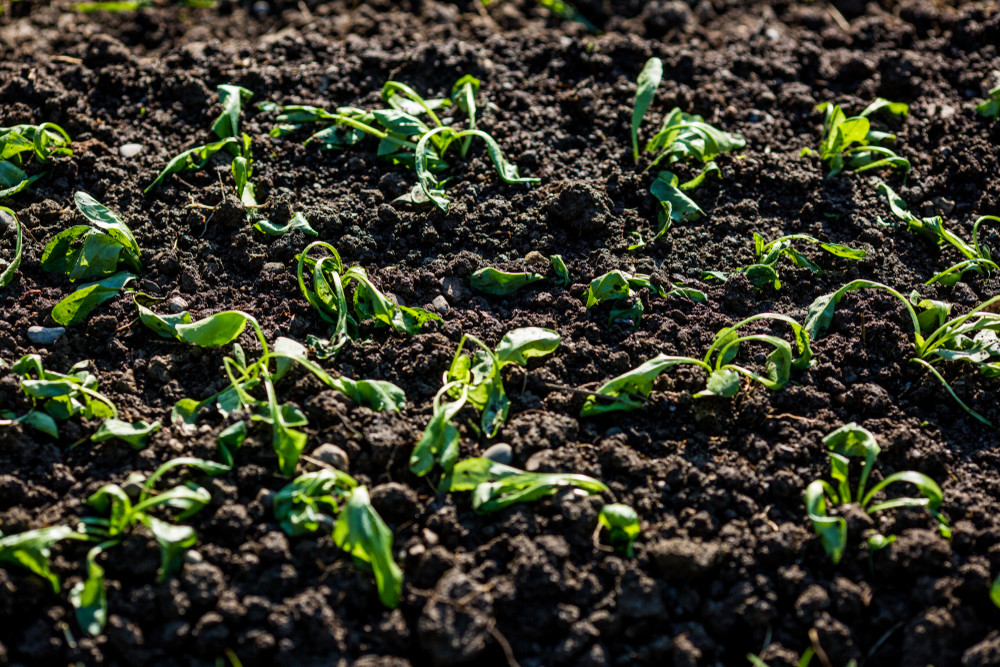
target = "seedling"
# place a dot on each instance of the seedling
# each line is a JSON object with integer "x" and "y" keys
{"x": 853, "y": 441}
{"x": 977, "y": 257}
{"x": 501, "y": 283}
{"x": 123, "y": 516}
{"x": 308, "y": 504}
{"x": 645, "y": 91}
{"x": 763, "y": 271}
{"x": 496, "y": 486}
{"x": 971, "y": 338}
{"x": 32, "y": 550}
{"x": 19, "y": 144}
{"x": 619, "y": 288}
{"x": 105, "y": 249}
{"x": 405, "y": 137}
{"x": 8, "y": 222}
{"x": 622, "y": 524}
{"x": 630, "y": 390}
{"x": 284, "y": 419}
{"x": 851, "y": 143}
{"x": 990, "y": 107}
{"x": 476, "y": 381}
{"x": 327, "y": 295}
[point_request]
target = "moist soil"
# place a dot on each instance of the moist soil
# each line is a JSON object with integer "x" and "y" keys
{"x": 727, "y": 563}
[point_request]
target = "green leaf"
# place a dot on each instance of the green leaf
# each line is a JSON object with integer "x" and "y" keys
{"x": 831, "y": 530}
{"x": 62, "y": 252}
{"x": 32, "y": 550}
{"x": 622, "y": 523}
{"x": 174, "y": 542}
{"x": 995, "y": 592}
{"x": 821, "y": 311}
{"x": 681, "y": 207}
{"x": 104, "y": 219}
{"x": 378, "y": 395}
{"x": 629, "y": 390}
{"x": 195, "y": 158}
{"x": 136, "y": 434}
{"x": 362, "y": 533}
{"x": 440, "y": 439}
{"x": 74, "y": 308}
{"x": 215, "y": 330}
{"x": 990, "y": 107}
{"x": 496, "y": 486}
{"x": 559, "y": 267}
{"x": 232, "y": 98}
{"x": 648, "y": 82}
{"x": 724, "y": 382}
{"x": 9, "y": 220}
{"x": 297, "y": 222}
{"x": 309, "y": 502}
{"x": 519, "y": 345}
{"x": 501, "y": 283}
{"x": 90, "y": 597}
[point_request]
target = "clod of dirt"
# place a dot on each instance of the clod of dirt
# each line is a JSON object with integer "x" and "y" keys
{"x": 454, "y": 625}
{"x": 579, "y": 207}
{"x": 680, "y": 558}
{"x": 394, "y": 501}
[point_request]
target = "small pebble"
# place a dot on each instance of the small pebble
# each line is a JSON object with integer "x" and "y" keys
{"x": 177, "y": 305}
{"x": 440, "y": 304}
{"x": 130, "y": 150}
{"x": 500, "y": 452}
{"x": 45, "y": 335}
{"x": 332, "y": 455}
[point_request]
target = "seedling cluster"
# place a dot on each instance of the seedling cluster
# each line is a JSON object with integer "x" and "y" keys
{"x": 420, "y": 133}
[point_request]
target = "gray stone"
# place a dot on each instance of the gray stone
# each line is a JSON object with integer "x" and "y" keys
{"x": 129, "y": 150}
{"x": 45, "y": 335}
{"x": 500, "y": 452}
{"x": 176, "y": 304}
{"x": 440, "y": 304}
{"x": 332, "y": 455}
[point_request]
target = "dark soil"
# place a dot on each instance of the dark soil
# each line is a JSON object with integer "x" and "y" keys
{"x": 727, "y": 563}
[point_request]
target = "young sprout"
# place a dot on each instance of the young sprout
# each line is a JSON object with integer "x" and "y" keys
{"x": 404, "y": 136}
{"x": 971, "y": 338}
{"x": 853, "y": 441}
{"x": 617, "y": 286}
{"x": 645, "y": 91}
{"x": 327, "y": 295}
{"x": 630, "y": 390}
{"x": 763, "y": 271}
{"x": 990, "y": 107}
{"x": 19, "y": 144}
{"x": 476, "y": 381}
{"x": 123, "y": 514}
{"x": 32, "y": 550}
{"x": 284, "y": 419}
{"x": 105, "y": 249}
{"x": 9, "y": 222}
{"x": 622, "y": 524}
{"x": 496, "y": 486}
{"x": 309, "y": 503}
{"x": 977, "y": 257}
{"x": 501, "y": 283}
{"x": 851, "y": 143}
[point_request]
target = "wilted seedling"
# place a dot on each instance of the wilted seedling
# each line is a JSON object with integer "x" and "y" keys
{"x": 409, "y": 133}
{"x": 853, "y": 441}
{"x": 763, "y": 271}
{"x": 104, "y": 250}
{"x": 971, "y": 338}
{"x": 851, "y": 143}
{"x": 123, "y": 514}
{"x": 327, "y": 295}
{"x": 977, "y": 256}
{"x": 309, "y": 503}
{"x": 10, "y": 223}
{"x": 285, "y": 419}
{"x": 501, "y": 283}
{"x": 476, "y": 381}
{"x": 19, "y": 144}
{"x": 990, "y": 107}
{"x": 630, "y": 390}
{"x": 619, "y": 288}
{"x": 496, "y": 486}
